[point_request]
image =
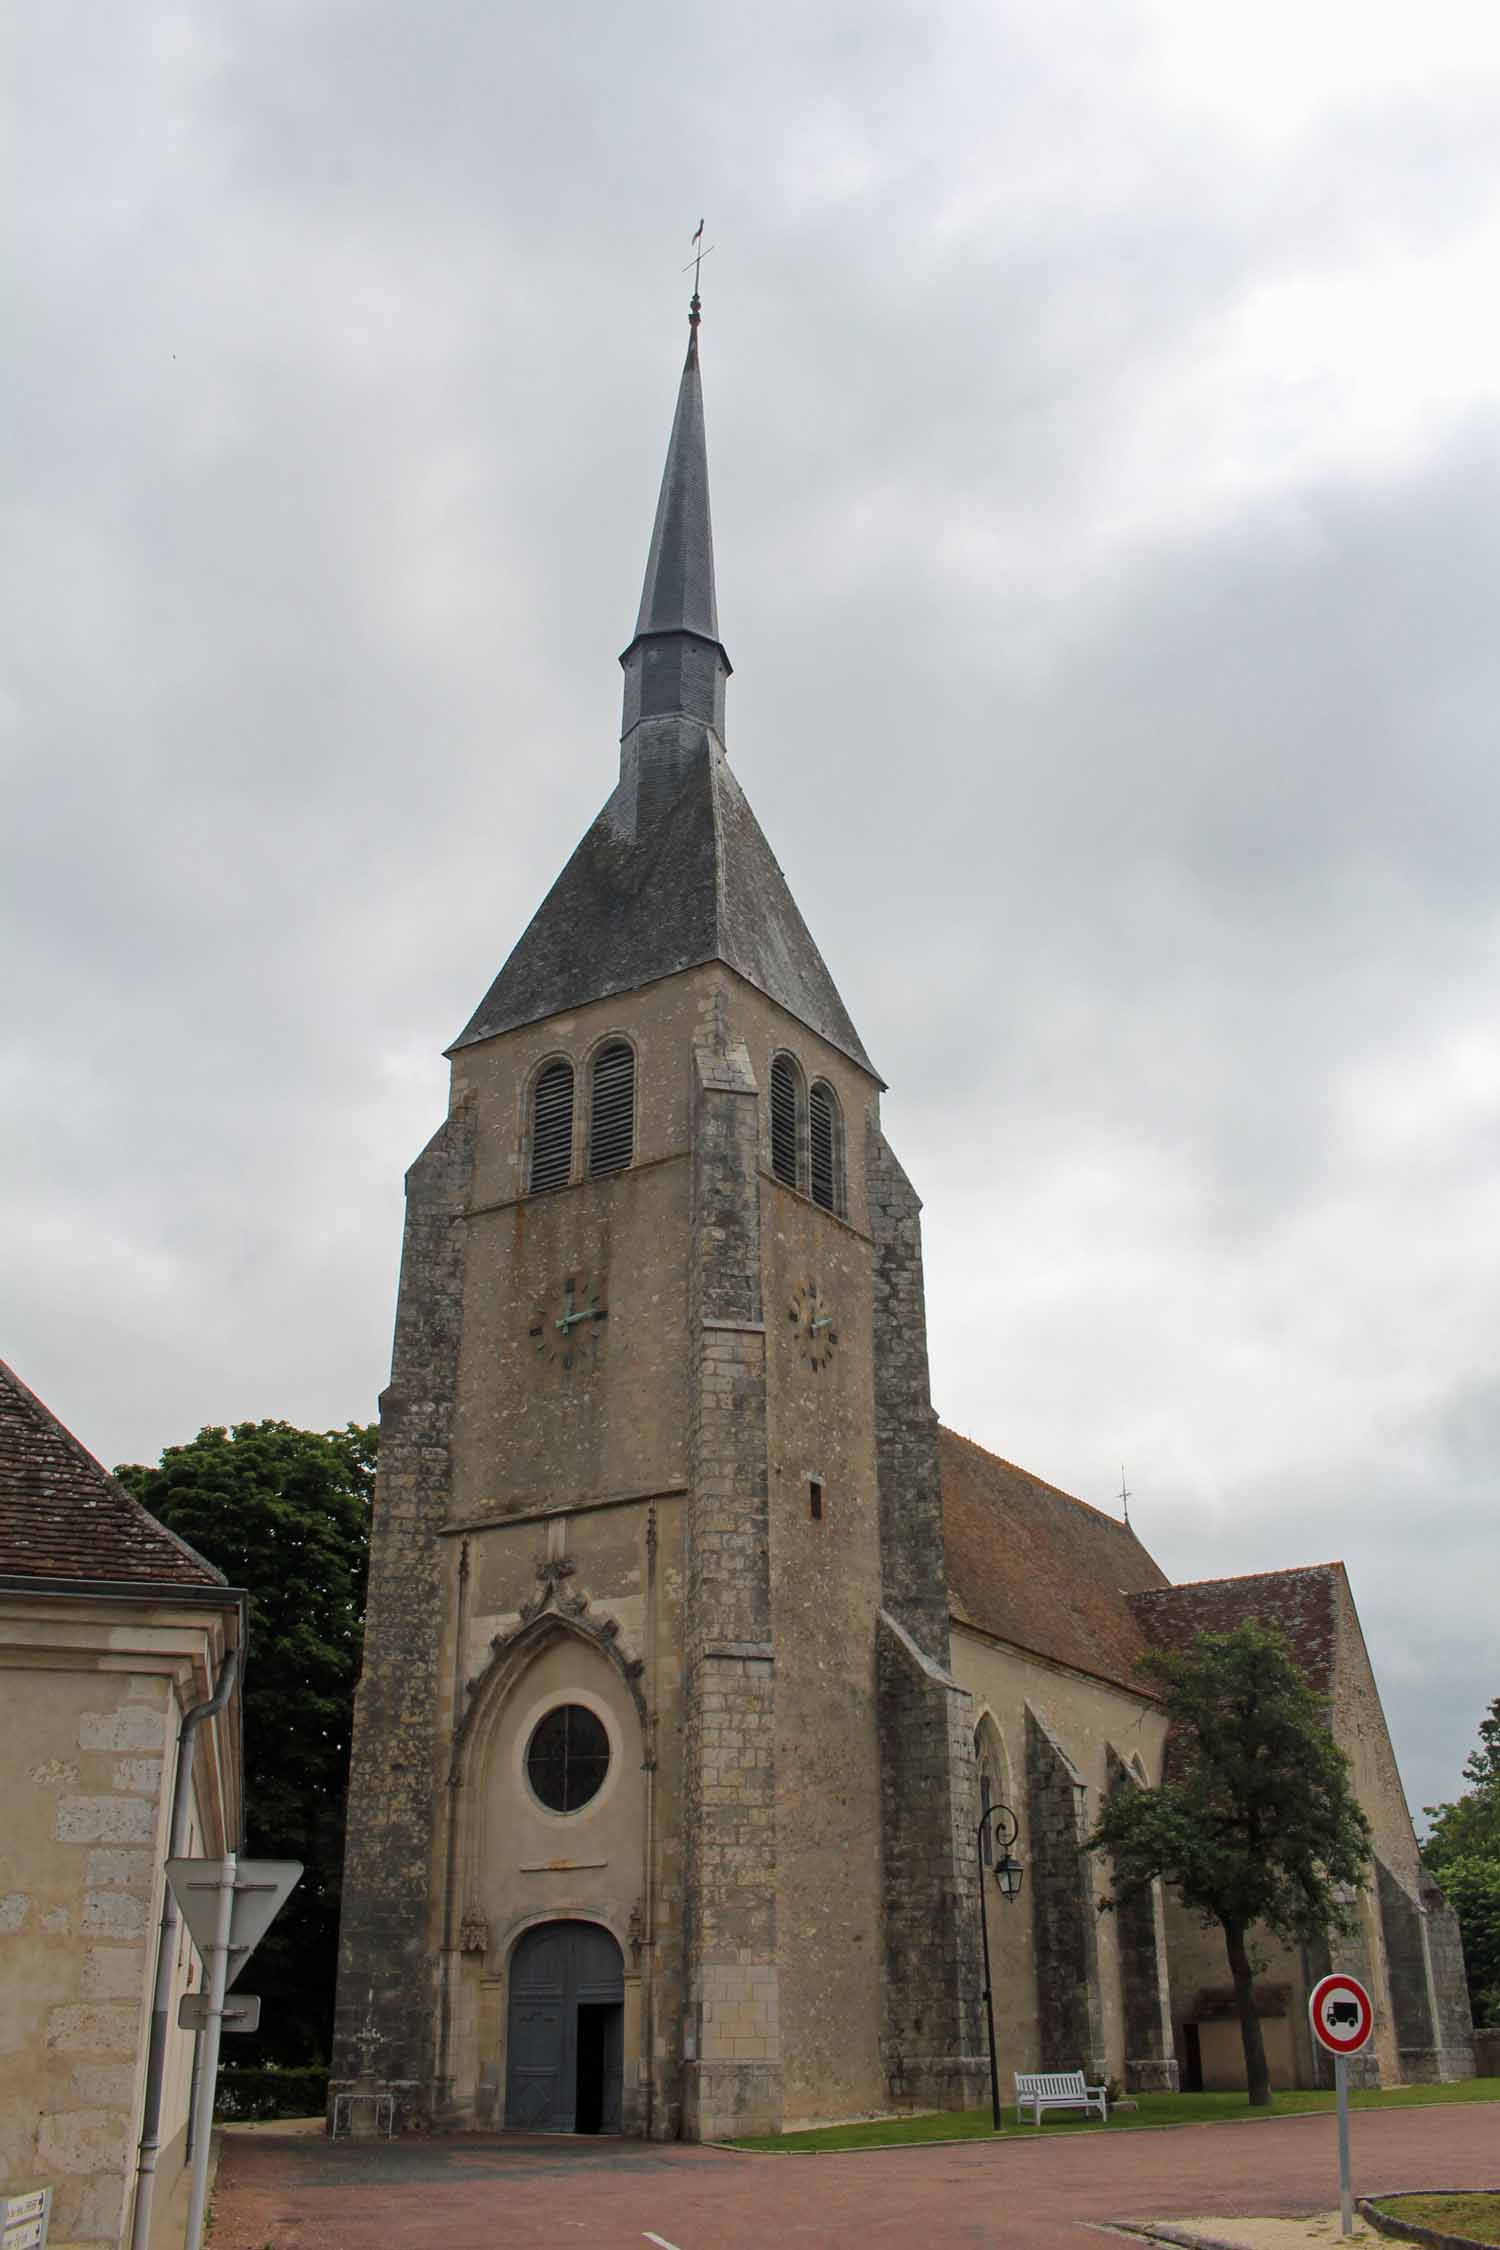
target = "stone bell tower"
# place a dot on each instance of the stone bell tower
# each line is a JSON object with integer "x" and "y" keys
{"x": 661, "y": 1810}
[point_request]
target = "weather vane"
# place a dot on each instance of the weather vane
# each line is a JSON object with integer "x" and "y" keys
{"x": 696, "y": 262}
{"x": 1124, "y": 1494}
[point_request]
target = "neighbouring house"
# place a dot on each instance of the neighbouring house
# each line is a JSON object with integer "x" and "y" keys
{"x": 111, "y": 1630}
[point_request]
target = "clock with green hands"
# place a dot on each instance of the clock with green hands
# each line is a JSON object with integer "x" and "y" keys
{"x": 568, "y": 1329}
{"x": 812, "y": 1315}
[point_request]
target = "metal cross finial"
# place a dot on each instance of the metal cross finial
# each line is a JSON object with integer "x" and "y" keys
{"x": 1124, "y": 1494}
{"x": 696, "y": 262}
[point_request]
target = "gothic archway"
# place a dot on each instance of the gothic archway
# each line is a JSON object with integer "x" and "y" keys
{"x": 564, "y": 2050}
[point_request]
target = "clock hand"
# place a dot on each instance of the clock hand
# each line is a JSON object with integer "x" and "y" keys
{"x": 571, "y": 1319}
{"x": 824, "y": 1320}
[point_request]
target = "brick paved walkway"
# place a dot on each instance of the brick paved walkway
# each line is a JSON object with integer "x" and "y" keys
{"x": 508, "y": 2192}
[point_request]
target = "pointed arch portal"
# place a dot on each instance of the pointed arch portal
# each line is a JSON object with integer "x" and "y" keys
{"x": 566, "y": 2049}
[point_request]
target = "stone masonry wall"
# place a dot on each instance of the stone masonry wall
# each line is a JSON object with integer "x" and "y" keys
{"x": 387, "y": 1947}
{"x": 915, "y": 1579}
{"x": 1150, "y": 2067}
{"x": 933, "y": 2042}
{"x": 1407, "y": 1976}
{"x": 1450, "y": 1987}
{"x": 732, "y": 2074}
{"x": 929, "y": 1797}
{"x": 1069, "y": 2016}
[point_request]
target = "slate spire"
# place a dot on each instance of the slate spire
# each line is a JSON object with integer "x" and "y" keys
{"x": 676, "y": 665}
{"x": 675, "y": 871}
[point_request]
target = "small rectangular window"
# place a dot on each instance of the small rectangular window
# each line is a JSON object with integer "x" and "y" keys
{"x": 815, "y": 1499}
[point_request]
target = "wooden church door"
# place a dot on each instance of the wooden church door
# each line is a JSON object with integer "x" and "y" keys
{"x": 565, "y": 2053}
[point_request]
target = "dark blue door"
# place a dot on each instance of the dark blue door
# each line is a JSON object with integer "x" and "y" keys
{"x": 567, "y": 1994}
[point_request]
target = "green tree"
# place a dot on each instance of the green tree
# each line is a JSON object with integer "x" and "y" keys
{"x": 1470, "y": 1827}
{"x": 1463, "y": 1851}
{"x": 285, "y": 1514}
{"x": 1257, "y": 1825}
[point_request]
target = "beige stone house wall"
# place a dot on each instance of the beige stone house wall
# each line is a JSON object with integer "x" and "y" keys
{"x": 92, "y": 1691}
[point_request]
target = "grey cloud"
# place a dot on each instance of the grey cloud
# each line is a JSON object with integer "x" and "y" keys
{"x": 1143, "y": 810}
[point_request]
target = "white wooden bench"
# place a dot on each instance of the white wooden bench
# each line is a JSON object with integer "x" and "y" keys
{"x": 1037, "y": 2090}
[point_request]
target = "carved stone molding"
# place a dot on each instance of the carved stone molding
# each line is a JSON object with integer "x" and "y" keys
{"x": 552, "y": 1571}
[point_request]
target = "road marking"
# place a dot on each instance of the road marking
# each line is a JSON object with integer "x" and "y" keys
{"x": 661, "y": 2238}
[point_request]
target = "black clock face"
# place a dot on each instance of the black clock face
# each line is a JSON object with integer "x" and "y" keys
{"x": 811, "y": 1314}
{"x": 566, "y": 1330}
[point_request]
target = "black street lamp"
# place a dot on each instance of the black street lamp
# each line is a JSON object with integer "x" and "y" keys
{"x": 1009, "y": 1875}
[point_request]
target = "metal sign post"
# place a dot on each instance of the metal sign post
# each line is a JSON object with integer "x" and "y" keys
{"x": 228, "y": 1907}
{"x": 1342, "y": 2018}
{"x": 216, "y": 1960}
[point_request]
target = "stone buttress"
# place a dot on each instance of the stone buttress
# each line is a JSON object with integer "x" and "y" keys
{"x": 388, "y": 1963}
{"x": 732, "y": 2039}
{"x": 933, "y": 2044}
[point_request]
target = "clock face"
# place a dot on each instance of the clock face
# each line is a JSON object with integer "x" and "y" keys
{"x": 811, "y": 1314}
{"x": 567, "y": 1328}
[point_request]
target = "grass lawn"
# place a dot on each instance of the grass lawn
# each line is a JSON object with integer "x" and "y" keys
{"x": 1477, "y": 2216}
{"x": 1155, "y": 2109}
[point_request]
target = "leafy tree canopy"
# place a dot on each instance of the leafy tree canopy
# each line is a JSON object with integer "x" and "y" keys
{"x": 285, "y": 1514}
{"x": 1257, "y": 1824}
{"x": 1470, "y": 1827}
{"x": 1463, "y": 1851}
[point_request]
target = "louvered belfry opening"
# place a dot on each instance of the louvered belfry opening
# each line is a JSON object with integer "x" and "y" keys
{"x": 612, "y": 1114}
{"x": 784, "y": 1119}
{"x": 823, "y": 1133}
{"x": 552, "y": 1128}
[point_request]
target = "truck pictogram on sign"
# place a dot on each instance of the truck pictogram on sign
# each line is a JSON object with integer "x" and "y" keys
{"x": 1341, "y": 2015}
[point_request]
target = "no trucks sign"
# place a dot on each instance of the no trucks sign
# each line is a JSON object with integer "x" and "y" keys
{"x": 1341, "y": 2014}
{"x": 1342, "y": 2019}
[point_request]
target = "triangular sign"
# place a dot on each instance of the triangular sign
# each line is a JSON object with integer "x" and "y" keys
{"x": 261, "y": 1888}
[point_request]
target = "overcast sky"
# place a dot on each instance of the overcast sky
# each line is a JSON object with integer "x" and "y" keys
{"x": 1104, "y": 417}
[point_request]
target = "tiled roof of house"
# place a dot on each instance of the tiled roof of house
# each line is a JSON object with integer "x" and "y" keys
{"x": 63, "y": 1516}
{"x": 1041, "y": 1570}
{"x": 1303, "y": 1603}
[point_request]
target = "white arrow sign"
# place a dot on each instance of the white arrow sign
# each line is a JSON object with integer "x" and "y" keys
{"x": 261, "y": 1888}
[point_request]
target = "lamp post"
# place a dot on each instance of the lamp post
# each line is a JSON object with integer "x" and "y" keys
{"x": 1009, "y": 1875}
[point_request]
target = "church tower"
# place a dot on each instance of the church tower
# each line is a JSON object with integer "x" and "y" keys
{"x": 662, "y": 1805}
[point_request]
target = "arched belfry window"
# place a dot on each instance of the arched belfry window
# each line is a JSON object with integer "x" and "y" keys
{"x": 552, "y": 1127}
{"x": 612, "y": 1109}
{"x": 786, "y": 1119}
{"x": 825, "y": 1126}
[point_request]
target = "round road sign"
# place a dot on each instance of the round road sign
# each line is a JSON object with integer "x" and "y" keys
{"x": 1341, "y": 2015}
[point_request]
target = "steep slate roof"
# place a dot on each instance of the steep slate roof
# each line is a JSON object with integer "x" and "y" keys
{"x": 63, "y": 1516}
{"x": 675, "y": 871}
{"x": 1304, "y": 1603}
{"x": 1041, "y": 1570}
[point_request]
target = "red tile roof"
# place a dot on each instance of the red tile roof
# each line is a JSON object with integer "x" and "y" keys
{"x": 1303, "y": 1603}
{"x": 1039, "y": 1569}
{"x": 63, "y": 1516}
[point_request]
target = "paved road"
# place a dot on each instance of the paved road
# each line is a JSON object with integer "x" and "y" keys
{"x": 509, "y": 2192}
